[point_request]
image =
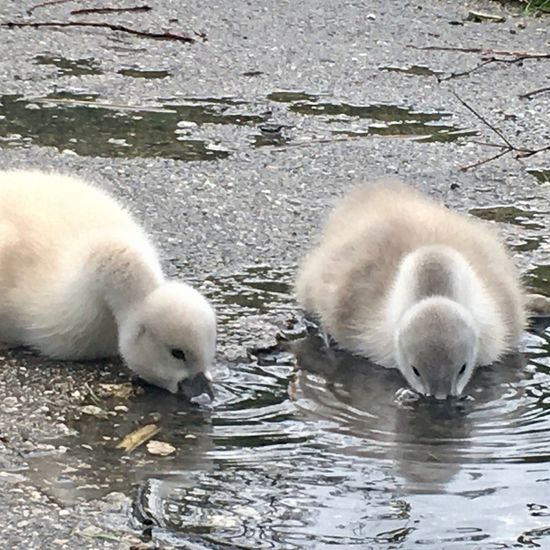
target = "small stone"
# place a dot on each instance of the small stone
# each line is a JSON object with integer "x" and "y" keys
{"x": 155, "y": 416}
{"x": 10, "y": 401}
{"x": 186, "y": 124}
{"x": 160, "y": 448}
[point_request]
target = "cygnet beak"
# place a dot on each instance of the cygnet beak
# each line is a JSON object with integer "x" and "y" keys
{"x": 439, "y": 396}
{"x": 199, "y": 384}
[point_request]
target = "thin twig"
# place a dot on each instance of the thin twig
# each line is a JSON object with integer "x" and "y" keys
{"x": 507, "y": 147}
{"x": 479, "y": 163}
{"x": 102, "y": 11}
{"x": 530, "y": 55}
{"x": 465, "y": 73}
{"x": 488, "y": 124}
{"x": 46, "y": 4}
{"x": 487, "y": 62}
{"x": 113, "y": 27}
{"x": 526, "y": 153}
{"x": 529, "y": 95}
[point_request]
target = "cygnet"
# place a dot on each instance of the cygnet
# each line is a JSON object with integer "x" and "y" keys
{"x": 80, "y": 279}
{"x": 407, "y": 283}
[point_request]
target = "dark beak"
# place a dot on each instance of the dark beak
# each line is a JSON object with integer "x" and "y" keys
{"x": 199, "y": 384}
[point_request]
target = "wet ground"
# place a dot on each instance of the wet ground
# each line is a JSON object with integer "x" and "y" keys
{"x": 231, "y": 151}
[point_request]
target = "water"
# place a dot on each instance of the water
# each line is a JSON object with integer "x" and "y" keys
{"x": 86, "y": 126}
{"x": 387, "y": 120}
{"x": 327, "y": 456}
{"x": 512, "y": 214}
{"x": 412, "y": 70}
{"x": 188, "y": 128}
{"x": 542, "y": 175}
{"x": 526, "y": 229}
{"x": 70, "y": 67}
{"x": 140, "y": 73}
{"x": 314, "y": 448}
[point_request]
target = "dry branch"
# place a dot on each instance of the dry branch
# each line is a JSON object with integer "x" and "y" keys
{"x": 506, "y": 146}
{"x": 485, "y": 62}
{"x": 103, "y": 11}
{"x": 484, "y": 51}
{"x": 110, "y": 26}
{"x": 529, "y": 95}
{"x": 46, "y": 4}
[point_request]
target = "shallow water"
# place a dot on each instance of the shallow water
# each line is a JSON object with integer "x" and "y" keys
{"x": 320, "y": 452}
{"x": 542, "y": 176}
{"x": 328, "y": 456}
{"x": 189, "y": 128}
{"x": 70, "y": 67}
{"x": 412, "y": 70}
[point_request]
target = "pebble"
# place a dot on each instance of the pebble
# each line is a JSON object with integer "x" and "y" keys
{"x": 10, "y": 401}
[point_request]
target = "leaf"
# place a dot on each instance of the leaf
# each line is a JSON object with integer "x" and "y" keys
{"x": 480, "y": 17}
{"x": 138, "y": 437}
{"x": 122, "y": 391}
{"x": 160, "y": 448}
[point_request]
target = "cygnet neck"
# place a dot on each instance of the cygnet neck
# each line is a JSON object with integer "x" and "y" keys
{"x": 125, "y": 274}
{"x": 431, "y": 271}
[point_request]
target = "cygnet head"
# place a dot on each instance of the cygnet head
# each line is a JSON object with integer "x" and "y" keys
{"x": 169, "y": 339}
{"x": 436, "y": 343}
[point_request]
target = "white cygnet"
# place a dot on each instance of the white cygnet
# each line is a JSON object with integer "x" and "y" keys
{"x": 409, "y": 284}
{"x": 79, "y": 279}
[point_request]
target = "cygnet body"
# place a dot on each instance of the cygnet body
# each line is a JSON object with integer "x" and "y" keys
{"x": 80, "y": 279}
{"x": 409, "y": 284}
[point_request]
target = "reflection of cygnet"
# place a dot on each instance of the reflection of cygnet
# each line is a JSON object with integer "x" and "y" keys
{"x": 79, "y": 279}
{"x": 411, "y": 285}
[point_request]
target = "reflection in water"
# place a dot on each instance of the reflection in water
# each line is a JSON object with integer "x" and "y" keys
{"x": 538, "y": 279}
{"x": 427, "y": 440}
{"x": 325, "y": 455}
{"x": 287, "y": 96}
{"x": 542, "y": 175}
{"x": 529, "y": 226}
{"x": 90, "y": 128}
{"x": 142, "y": 73}
{"x": 70, "y": 67}
{"x": 511, "y": 214}
{"x": 389, "y": 120}
{"x": 80, "y": 123}
{"x": 387, "y": 113}
{"x": 413, "y": 70}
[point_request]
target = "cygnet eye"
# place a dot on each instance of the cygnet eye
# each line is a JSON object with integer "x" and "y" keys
{"x": 178, "y": 354}
{"x": 462, "y": 370}
{"x": 415, "y": 370}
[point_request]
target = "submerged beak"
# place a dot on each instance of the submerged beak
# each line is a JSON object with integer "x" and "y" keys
{"x": 199, "y": 384}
